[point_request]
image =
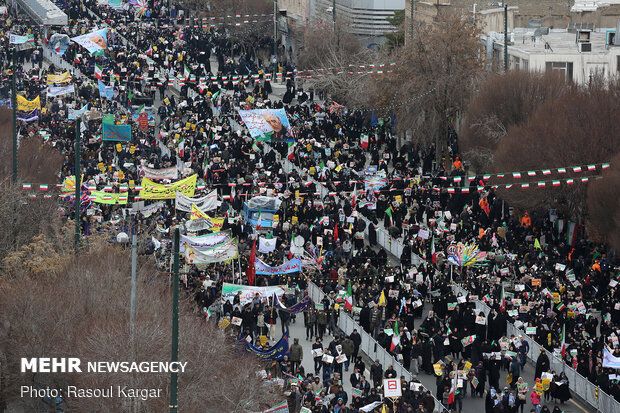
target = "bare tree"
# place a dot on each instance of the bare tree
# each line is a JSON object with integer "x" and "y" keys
{"x": 562, "y": 133}
{"x": 79, "y": 307}
{"x": 603, "y": 223}
{"x": 432, "y": 80}
{"x": 504, "y": 101}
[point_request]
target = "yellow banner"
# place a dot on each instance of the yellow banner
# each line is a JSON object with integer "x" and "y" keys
{"x": 152, "y": 190}
{"x": 216, "y": 223}
{"x": 26, "y": 105}
{"x": 62, "y": 78}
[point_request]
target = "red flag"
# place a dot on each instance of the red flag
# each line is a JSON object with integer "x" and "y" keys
{"x": 251, "y": 269}
{"x": 336, "y": 230}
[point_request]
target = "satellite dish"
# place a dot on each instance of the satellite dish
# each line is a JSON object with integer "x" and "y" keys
{"x": 122, "y": 238}
{"x": 299, "y": 241}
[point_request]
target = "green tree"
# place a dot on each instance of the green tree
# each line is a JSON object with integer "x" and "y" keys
{"x": 396, "y": 38}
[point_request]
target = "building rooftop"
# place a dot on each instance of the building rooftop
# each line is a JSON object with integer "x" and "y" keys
{"x": 558, "y": 41}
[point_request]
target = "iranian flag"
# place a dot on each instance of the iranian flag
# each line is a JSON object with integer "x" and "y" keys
{"x": 502, "y": 301}
{"x": 388, "y": 212}
{"x": 186, "y": 72}
{"x": 395, "y": 337}
{"x": 291, "y": 151}
{"x": 336, "y": 230}
{"x": 348, "y": 301}
{"x": 571, "y": 233}
{"x": 364, "y": 141}
{"x": 452, "y": 394}
{"x": 258, "y": 223}
{"x": 98, "y": 72}
{"x": 563, "y": 348}
{"x": 433, "y": 253}
{"x": 291, "y": 250}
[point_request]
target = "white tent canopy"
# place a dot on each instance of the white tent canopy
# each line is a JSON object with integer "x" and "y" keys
{"x": 43, "y": 12}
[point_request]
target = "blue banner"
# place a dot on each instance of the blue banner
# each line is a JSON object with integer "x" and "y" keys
{"x": 293, "y": 265}
{"x": 277, "y": 352}
{"x": 105, "y": 91}
{"x": 113, "y": 132}
{"x": 303, "y": 305}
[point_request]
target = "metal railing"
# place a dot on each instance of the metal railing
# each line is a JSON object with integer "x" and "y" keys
{"x": 578, "y": 384}
{"x": 59, "y": 62}
{"x": 369, "y": 345}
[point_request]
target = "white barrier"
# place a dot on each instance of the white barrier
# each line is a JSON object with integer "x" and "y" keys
{"x": 59, "y": 62}
{"x": 369, "y": 345}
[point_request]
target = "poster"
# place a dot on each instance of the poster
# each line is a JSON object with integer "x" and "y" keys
{"x": 247, "y": 293}
{"x": 205, "y": 203}
{"x": 152, "y": 190}
{"x": 95, "y": 42}
{"x": 270, "y": 125}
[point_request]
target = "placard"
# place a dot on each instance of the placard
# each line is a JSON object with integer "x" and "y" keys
{"x": 391, "y": 388}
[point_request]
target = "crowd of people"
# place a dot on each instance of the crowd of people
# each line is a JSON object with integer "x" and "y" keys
{"x": 533, "y": 275}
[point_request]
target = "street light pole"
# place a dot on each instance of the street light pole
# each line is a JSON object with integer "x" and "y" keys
{"x": 411, "y": 24}
{"x": 134, "y": 264}
{"x": 175, "y": 324}
{"x": 78, "y": 184}
{"x": 275, "y": 37}
{"x": 14, "y": 105}
{"x": 505, "y": 37}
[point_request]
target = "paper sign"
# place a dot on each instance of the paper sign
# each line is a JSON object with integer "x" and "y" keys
{"x": 391, "y": 388}
{"x": 341, "y": 358}
{"x": 236, "y": 321}
{"x": 536, "y": 282}
{"x": 530, "y": 331}
{"x": 328, "y": 359}
{"x": 317, "y": 352}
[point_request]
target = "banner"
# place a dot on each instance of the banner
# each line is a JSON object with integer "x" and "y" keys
{"x": 247, "y": 292}
{"x": 267, "y": 124}
{"x": 118, "y": 133}
{"x": 196, "y": 225}
{"x": 101, "y": 197}
{"x": 214, "y": 224}
{"x": 293, "y": 265}
{"x": 28, "y": 116}
{"x": 26, "y": 105}
{"x": 204, "y": 241}
{"x": 303, "y": 305}
{"x": 74, "y": 114}
{"x": 95, "y": 42}
{"x": 59, "y": 79}
{"x": 610, "y": 361}
{"x": 277, "y": 352}
{"x": 223, "y": 252}
{"x": 267, "y": 245}
{"x": 53, "y": 91}
{"x": 105, "y": 91}
{"x": 17, "y": 39}
{"x": 205, "y": 203}
{"x": 152, "y": 190}
{"x": 164, "y": 173}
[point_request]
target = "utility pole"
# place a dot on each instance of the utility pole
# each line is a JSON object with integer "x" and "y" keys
{"x": 14, "y": 105}
{"x": 175, "y": 324}
{"x": 411, "y": 24}
{"x": 505, "y": 37}
{"x": 78, "y": 184}
{"x": 275, "y": 37}
{"x": 134, "y": 264}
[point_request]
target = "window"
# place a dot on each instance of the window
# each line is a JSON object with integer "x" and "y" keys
{"x": 565, "y": 68}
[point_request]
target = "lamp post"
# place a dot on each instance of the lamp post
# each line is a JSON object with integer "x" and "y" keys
{"x": 175, "y": 324}
{"x": 14, "y": 105}
{"x": 505, "y": 37}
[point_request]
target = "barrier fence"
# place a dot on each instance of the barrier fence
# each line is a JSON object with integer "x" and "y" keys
{"x": 369, "y": 345}
{"x": 578, "y": 384}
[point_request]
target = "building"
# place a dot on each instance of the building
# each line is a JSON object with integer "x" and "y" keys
{"x": 545, "y": 13}
{"x": 578, "y": 52}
